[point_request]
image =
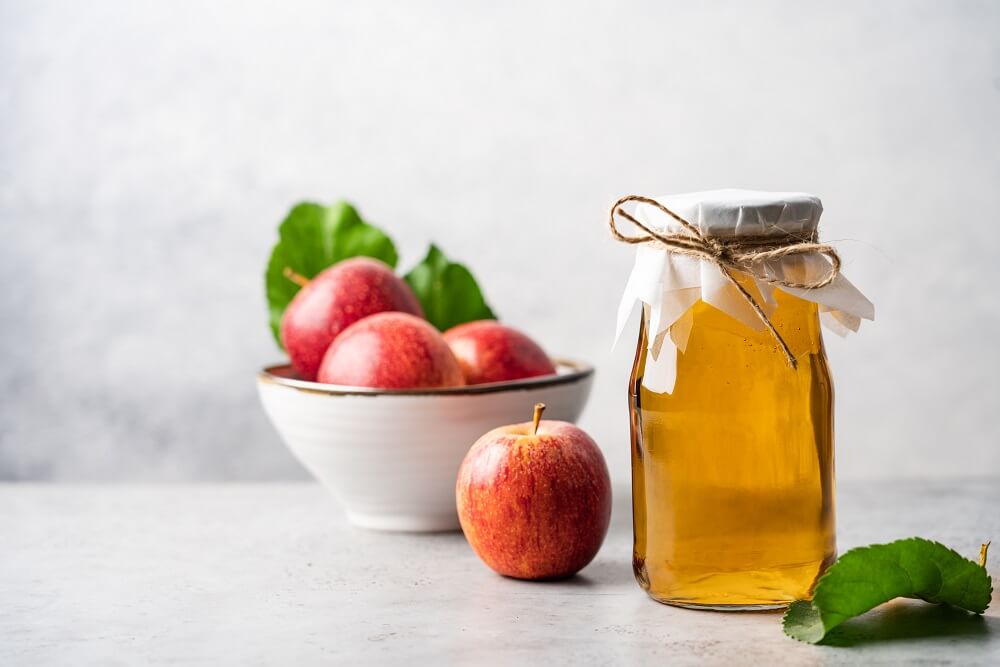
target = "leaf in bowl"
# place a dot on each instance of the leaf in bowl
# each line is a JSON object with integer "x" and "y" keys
{"x": 447, "y": 291}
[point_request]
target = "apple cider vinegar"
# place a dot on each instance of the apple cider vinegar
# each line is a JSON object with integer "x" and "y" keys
{"x": 730, "y": 396}
{"x": 732, "y": 471}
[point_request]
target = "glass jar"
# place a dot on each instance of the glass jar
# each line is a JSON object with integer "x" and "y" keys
{"x": 732, "y": 472}
{"x": 733, "y": 456}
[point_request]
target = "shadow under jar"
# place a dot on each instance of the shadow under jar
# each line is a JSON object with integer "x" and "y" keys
{"x": 733, "y": 456}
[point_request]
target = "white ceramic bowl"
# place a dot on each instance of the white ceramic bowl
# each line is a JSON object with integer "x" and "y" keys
{"x": 392, "y": 457}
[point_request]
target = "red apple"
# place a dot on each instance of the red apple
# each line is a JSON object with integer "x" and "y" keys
{"x": 492, "y": 352}
{"x": 391, "y": 351}
{"x": 534, "y": 499}
{"x": 333, "y": 300}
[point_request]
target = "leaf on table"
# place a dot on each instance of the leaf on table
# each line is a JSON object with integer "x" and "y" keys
{"x": 447, "y": 291}
{"x": 313, "y": 237}
{"x": 866, "y": 577}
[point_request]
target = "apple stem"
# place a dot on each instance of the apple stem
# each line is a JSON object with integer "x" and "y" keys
{"x": 296, "y": 278}
{"x": 539, "y": 409}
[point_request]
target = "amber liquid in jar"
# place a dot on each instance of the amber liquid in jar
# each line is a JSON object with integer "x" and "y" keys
{"x": 732, "y": 472}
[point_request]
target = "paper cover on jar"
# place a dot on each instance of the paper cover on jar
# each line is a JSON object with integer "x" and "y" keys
{"x": 668, "y": 283}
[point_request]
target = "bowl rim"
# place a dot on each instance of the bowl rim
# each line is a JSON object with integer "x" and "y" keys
{"x": 575, "y": 371}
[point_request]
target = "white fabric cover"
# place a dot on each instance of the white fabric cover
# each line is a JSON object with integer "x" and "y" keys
{"x": 668, "y": 284}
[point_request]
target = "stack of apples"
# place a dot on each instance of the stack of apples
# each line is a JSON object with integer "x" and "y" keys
{"x": 358, "y": 324}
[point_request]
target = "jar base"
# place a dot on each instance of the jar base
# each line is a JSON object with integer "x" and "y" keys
{"x": 775, "y": 606}
{"x": 763, "y": 589}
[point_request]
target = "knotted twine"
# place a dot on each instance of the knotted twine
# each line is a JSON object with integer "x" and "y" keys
{"x": 745, "y": 254}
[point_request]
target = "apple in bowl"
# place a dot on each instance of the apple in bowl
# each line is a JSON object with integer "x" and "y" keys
{"x": 489, "y": 351}
{"x": 390, "y": 351}
{"x": 336, "y": 298}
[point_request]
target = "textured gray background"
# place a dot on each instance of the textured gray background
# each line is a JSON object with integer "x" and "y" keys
{"x": 147, "y": 151}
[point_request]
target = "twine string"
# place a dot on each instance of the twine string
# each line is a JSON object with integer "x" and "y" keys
{"x": 745, "y": 254}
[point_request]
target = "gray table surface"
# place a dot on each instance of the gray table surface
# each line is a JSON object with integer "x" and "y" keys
{"x": 273, "y": 574}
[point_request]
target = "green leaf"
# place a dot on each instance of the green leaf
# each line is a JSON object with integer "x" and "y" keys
{"x": 313, "y": 237}
{"x": 866, "y": 577}
{"x": 447, "y": 291}
{"x": 802, "y": 621}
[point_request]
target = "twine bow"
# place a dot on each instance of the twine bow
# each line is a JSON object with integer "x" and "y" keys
{"x": 745, "y": 254}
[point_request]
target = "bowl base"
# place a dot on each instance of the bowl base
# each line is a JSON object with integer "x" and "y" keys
{"x": 406, "y": 523}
